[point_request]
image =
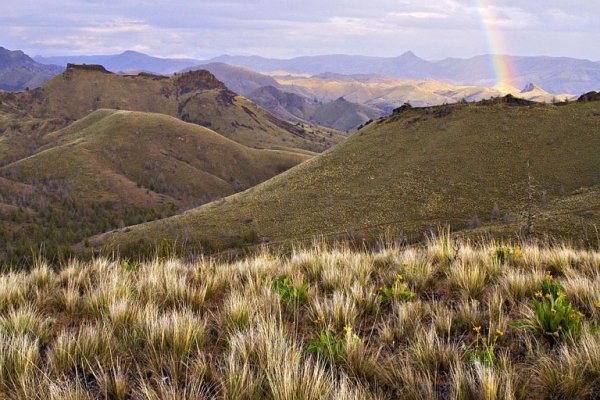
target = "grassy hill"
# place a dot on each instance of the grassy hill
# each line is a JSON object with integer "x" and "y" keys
{"x": 462, "y": 164}
{"x": 116, "y": 168}
{"x": 448, "y": 320}
{"x": 196, "y": 97}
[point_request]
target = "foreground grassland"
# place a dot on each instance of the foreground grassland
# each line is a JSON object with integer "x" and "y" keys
{"x": 443, "y": 320}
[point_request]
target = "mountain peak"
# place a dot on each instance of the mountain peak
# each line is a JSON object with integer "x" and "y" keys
{"x": 131, "y": 53}
{"x": 530, "y": 87}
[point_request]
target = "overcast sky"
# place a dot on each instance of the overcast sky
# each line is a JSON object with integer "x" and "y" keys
{"x": 202, "y": 29}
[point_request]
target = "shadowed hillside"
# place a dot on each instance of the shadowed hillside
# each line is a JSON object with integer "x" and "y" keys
{"x": 464, "y": 164}
{"x": 116, "y": 168}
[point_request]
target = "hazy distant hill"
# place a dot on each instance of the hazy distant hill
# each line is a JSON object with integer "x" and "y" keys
{"x": 297, "y": 97}
{"x": 128, "y": 61}
{"x": 555, "y": 74}
{"x": 339, "y": 114}
{"x": 238, "y": 79}
{"x": 463, "y": 164}
{"x": 18, "y": 71}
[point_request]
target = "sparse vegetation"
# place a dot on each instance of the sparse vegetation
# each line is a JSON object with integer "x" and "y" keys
{"x": 311, "y": 324}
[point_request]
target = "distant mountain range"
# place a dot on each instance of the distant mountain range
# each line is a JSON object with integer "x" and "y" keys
{"x": 128, "y": 62}
{"x": 18, "y": 71}
{"x": 345, "y": 102}
{"x": 554, "y": 74}
{"x": 366, "y": 87}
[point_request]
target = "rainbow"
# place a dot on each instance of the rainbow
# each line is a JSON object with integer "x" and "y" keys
{"x": 500, "y": 62}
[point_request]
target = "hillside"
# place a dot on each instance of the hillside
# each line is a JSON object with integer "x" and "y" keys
{"x": 116, "y": 168}
{"x": 339, "y": 114}
{"x": 462, "y": 164}
{"x": 196, "y": 97}
{"x": 19, "y": 72}
{"x": 344, "y": 115}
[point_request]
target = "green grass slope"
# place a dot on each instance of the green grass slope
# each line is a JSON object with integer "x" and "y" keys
{"x": 416, "y": 169}
{"x": 114, "y": 168}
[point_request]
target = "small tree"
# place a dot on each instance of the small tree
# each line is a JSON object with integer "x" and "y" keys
{"x": 496, "y": 211}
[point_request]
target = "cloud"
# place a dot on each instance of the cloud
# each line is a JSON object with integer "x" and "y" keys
{"x": 206, "y": 28}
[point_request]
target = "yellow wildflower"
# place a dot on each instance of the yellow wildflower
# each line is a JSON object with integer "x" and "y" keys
{"x": 549, "y": 276}
{"x": 597, "y": 304}
{"x": 548, "y": 296}
{"x": 477, "y": 329}
{"x": 499, "y": 332}
{"x": 539, "y": 293}
{"x": 348, "y": 329}
{"x": 320, "y": 320}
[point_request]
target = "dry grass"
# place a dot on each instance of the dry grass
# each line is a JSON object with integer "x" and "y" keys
{"x": 179, "y": 330}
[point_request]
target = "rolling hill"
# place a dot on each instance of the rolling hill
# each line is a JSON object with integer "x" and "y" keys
{"x": 196, "y": 97}
{"x": 19, "y": 72}
{"x": 462, "y": 164}
{"x": 113, "y": 168}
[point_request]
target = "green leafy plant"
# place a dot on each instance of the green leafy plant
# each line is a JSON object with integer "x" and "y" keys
{"x": 398, "y": 290}
{"x": 555, "y": 316}
{"x": 484, "y": 349}
{"x": 327, "y": 346}
{"x": 289, "y": 293}
{"x": 130, "y": 265}
{"x": 330, "y": 347}
{"x": 507, "y": 254}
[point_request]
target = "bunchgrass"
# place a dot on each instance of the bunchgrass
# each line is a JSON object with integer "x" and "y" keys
{"x": 442, "y": 320}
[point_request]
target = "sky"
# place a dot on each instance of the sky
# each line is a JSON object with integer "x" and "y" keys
{"x": 433, "y": 29}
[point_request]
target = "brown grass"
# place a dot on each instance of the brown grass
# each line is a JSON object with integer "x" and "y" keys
{"x": 206, "y": 329}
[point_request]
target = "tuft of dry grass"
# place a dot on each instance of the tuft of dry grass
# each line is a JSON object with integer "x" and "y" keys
{"x": 208, "y": 329}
